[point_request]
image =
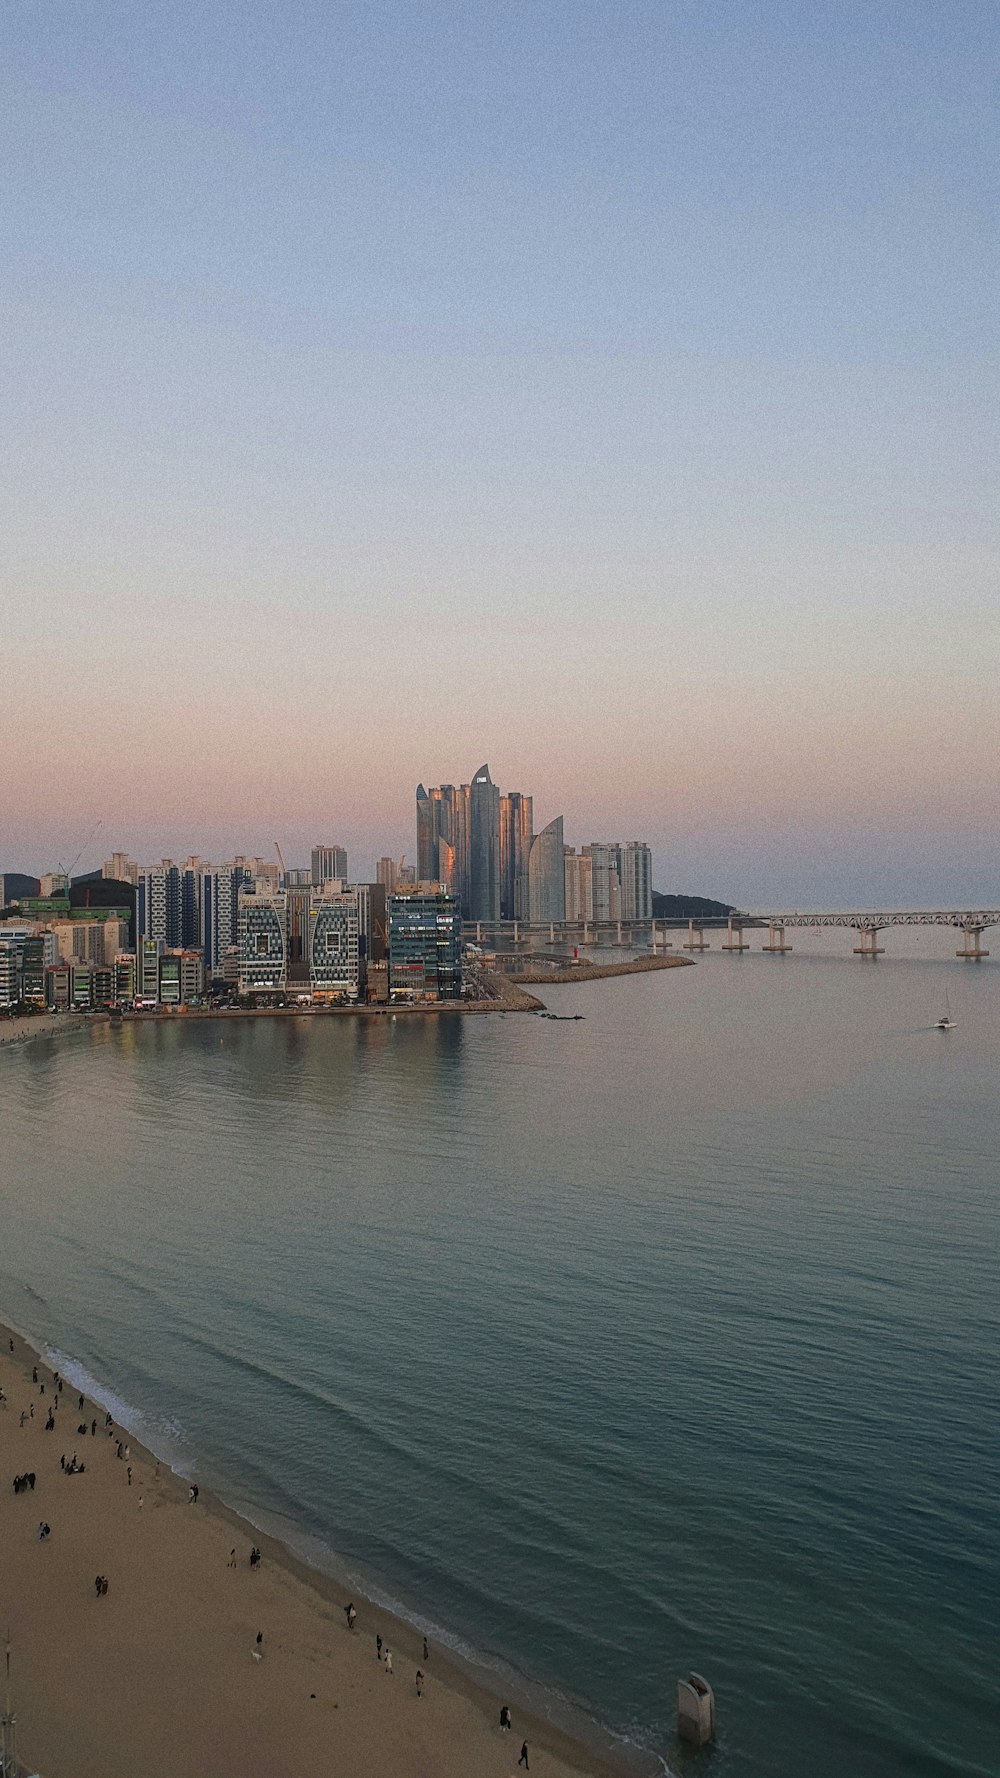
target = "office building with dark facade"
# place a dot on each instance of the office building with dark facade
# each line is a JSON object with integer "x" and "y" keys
{"x": 425, "y": 946}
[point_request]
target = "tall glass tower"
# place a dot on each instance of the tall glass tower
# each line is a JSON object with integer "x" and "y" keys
{"x": 484, "y": 847}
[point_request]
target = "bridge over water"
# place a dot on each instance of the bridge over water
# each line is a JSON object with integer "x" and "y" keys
{"x": 867, "y": 923}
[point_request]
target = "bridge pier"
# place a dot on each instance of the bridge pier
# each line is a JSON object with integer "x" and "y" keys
{"x": 696, "y": 944}
{"x": 515, "y": 931}
{"x": 479, "y": 932}
{"x": 972, "y": 950}
{"x": 776, "y": 939}
{"x": 869, "y": 946}
{"x": 734, "y": 940}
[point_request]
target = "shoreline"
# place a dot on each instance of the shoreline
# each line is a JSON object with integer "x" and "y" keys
{"x": 31, "y": 1026}
{"x": 509, "y": 994}
{"x": 599, "y": 972}
{"x": 159, "y": 1627}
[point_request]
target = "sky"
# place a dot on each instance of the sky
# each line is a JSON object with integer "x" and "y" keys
{"x": 606, "y": 392}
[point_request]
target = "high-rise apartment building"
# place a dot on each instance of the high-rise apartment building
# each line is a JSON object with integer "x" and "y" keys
{"x": 159, "y": 903}
{"x": 516, "y": 835}
{"x": 218, "y": 899}
{"x": 443, "y": 839}
{"x": 191, "y": 902}
{"x": 386, "y": 873}
{"x": 120, "y": 868}
{"x": 329, "y": 863}
{"x": 605, "y": 861}
{"x": 579, "y": 885}
{"x": 636, "y": 873}
{"x": 547, "y": 874}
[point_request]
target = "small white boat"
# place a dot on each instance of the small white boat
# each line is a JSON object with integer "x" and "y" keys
{"x": 945, "y": 1024}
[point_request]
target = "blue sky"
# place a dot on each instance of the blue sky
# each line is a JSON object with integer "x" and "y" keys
{"x": 608, "y": 392}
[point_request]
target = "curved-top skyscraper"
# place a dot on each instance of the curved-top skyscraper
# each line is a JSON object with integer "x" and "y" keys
{"x": 484, "y": 847}
{"x": 547, "y": 874}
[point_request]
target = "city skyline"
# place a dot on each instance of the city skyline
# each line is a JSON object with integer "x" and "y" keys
{"x": 890, "y": 870}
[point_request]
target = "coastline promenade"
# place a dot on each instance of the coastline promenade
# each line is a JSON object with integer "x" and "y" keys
{"x": 161, "y": 1676}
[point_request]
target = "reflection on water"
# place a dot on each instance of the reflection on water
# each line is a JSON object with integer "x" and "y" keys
{"x": 663, "y": 1339}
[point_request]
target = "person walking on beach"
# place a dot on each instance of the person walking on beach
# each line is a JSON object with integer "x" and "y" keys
{"x": 258, "y": 1649}
{"x": 193, "y": 1496}
{"x": 426, "y": 1649}
{"x": 504, "y": 1718}
{"x": 419, "y": 1683}
{"x": 350, "y": 1614}
{"x": 232, "y": 1559}
{"x": 523, "y": 1761}
{"x": 387, "y": 1661}
{"x": 128, "y": 1472}
{"x": 378, "y": 1648}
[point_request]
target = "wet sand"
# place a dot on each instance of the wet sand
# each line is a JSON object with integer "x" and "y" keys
{"x": 157, "y": 1679}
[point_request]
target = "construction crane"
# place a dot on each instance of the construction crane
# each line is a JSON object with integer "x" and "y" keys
{"x": 68, "y": 873}
{"x": 284, "y": 873}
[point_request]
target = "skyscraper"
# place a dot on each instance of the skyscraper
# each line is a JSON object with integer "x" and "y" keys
{"x": 428, "y": 834}
{"x": 636, "y": 869}
{"x": 443, "y": 839}
{"x": 484, "y": 847}
{"x": 516, "y": 834}
{"x": 579, "y": 885}
{"x": 547, "y": 874}
{"x": 606, "y": 863}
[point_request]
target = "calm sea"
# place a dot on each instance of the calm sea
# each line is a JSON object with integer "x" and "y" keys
{"x": 665, "y": 1339}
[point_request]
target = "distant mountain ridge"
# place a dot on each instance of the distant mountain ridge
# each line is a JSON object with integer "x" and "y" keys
{"x": 689, "y": 907}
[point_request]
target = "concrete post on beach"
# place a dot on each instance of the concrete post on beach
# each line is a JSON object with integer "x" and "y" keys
{"x": 695, "y": 1710}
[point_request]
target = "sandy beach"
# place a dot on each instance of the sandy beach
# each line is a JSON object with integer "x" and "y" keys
{"x": 159, "y": 1678}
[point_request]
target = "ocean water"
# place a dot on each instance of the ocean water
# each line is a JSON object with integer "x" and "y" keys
{"x": 665, "y": 1339}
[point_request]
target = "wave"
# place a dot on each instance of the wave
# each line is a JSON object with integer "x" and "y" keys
{"x": 164, "y": 1437}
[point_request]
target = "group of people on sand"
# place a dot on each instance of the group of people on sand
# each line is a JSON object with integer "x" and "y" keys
{"x": 72, "y": 1466}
